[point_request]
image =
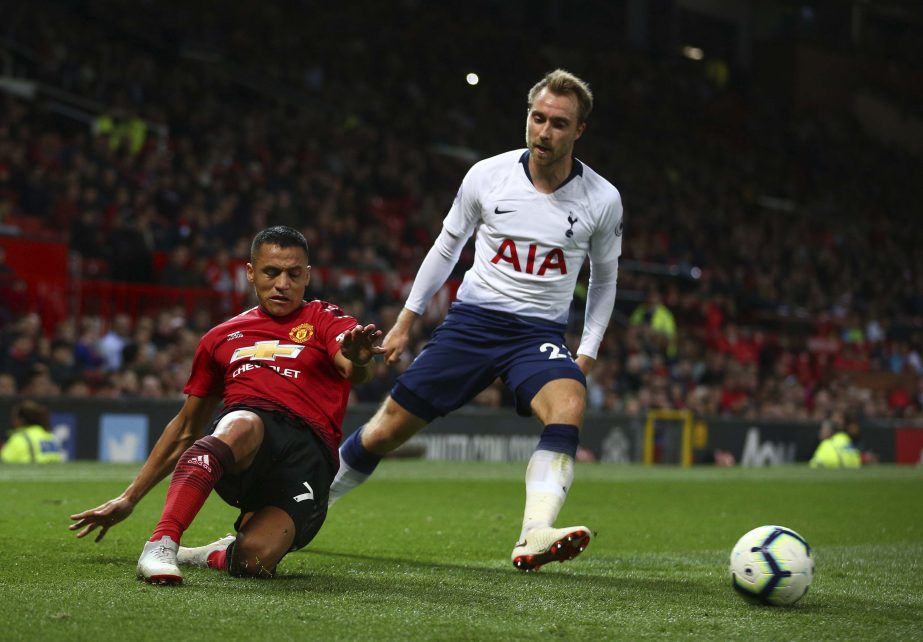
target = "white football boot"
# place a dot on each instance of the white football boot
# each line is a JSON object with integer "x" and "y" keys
{"x": 157, "y": 563}
{"x": 198, "y": 556}
{"x": 543, "y": 545}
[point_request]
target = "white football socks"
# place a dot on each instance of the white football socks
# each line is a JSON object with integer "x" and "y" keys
{"x": 548, "y": 478}
{"x": 345, "y": 480}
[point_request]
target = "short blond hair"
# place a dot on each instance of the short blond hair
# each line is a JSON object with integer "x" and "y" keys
{"x": 564, "y": 83}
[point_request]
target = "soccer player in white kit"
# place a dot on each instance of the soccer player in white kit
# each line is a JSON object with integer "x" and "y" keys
{"x": 538, "y": 213}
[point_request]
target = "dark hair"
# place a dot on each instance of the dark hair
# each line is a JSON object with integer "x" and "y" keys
{"x": 280, "y": 235}
{"x": 564, "y": 83}
{"x": 61, "y": 343}
{"x": 32, "y": 413}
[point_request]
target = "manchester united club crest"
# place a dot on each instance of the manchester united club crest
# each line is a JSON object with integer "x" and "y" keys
{"x": 301, "y": 333}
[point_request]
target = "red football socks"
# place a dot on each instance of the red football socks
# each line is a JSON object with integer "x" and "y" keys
{"x": 218, "y": 559}
{"x": 196, "y": 473}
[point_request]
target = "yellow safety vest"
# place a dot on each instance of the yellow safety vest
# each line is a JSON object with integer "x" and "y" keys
{"x": 837, "y": 451}
{"x": 31, "y": 445}
{"x": 134, "y": 131}
{"x": 661, "y": 320}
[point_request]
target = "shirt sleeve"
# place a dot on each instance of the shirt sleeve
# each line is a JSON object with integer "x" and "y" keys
{"x": 465, "y": 213}
{"x": 335, "y": 323}
{"x": 204, "y": 380}
{"x": 457, "y": 227}
{"x": 605, "y": 249}
{"x": 435, "y": 269}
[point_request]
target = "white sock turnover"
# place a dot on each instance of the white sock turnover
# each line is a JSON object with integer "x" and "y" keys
{"x": 345, "y": 480}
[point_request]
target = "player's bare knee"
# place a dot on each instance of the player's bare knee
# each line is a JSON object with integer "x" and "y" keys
{"x": 246, "y": 566}
{"x": 243, "y": 431}
{"x": 254, "y": 557}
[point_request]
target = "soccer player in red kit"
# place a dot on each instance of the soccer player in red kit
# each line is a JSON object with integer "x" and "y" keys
{"x": 283, "y": 372}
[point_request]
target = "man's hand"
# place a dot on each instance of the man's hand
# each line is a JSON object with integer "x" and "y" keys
{"x": 358, "y": 344}
{"x": 103, "y": 517}
{"x": 585, "y": 363}
{"x": 395, "y": 343}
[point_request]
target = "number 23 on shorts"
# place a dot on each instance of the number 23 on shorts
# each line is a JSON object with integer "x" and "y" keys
{"x": 557, "y": 352}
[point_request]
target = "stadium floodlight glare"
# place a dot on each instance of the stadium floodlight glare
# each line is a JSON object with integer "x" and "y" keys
{"x": 693, "y": 53}
{"x": 472, "y": 79}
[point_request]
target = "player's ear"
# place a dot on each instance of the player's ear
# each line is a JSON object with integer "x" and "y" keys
{"x": 580, "y": 129}
{"x": 249, "y": 272}
{"x": 307, "y": 275}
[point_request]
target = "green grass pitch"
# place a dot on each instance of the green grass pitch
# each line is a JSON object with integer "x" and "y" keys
{"x": 422, "y": 552}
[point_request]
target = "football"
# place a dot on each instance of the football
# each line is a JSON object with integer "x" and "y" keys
{"x": 772, "y": 565}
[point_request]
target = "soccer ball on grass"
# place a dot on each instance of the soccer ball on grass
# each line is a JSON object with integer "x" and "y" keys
{"x": 773, "y": 565}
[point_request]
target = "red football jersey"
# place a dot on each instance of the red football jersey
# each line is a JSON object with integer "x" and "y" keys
{"x": 286, "y": 362}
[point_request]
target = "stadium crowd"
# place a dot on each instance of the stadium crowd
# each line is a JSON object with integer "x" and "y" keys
{"x": 808, "y": 296}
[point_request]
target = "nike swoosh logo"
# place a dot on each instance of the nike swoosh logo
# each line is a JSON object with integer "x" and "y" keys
{"x": 497, "y": 210}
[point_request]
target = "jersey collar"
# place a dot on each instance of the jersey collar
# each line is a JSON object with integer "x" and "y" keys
{"x": 575, "y": 170}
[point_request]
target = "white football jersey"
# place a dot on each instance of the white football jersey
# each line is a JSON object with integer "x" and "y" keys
{"x": 530, "y": 246}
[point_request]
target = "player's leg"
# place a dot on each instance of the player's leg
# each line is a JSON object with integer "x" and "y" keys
{"x": 559, "y": 405}
{"x": 390, "y": 426}
{"x": 230, "y": 449}
{"x": 209, "y": 555}
{"x": 454, "y": 366}
{"x": 283, "y": 499}
{"x": 264, "y": 539}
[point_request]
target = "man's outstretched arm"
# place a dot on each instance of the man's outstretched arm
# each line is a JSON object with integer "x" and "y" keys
{"x": 187, "y": 426}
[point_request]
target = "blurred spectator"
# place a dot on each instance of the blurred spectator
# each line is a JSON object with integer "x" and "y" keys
{"x": 114, "y": 341}
{"x": 130, "y": 248}
{"x": 87, "y": 237}
{"x": 77, "y": 389}
{"x": 657, "y": 321}
{"x": 62, "y": 364}
{"x": 20, "y": 358}
{"x": 12, "y": 291}
{"x": 8, "y": 387}
{"x": 40, "y": 383}
{"x": 87, "y": 350}
{"x": 182, "y": 270}
{"x": 837, "y": 448}
{"x": 124, "y": 131}
{"x": 774, "y": 207}
{"x": 151, "y": 387}
{"x": 30, "y": 441}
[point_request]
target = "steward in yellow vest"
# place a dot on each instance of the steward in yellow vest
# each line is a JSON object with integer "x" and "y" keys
{"x": 837, "y": 451}
{"x": 30, "y": 441}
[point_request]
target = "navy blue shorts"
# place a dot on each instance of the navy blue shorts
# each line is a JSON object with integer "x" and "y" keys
{"x": 474, "y": 346}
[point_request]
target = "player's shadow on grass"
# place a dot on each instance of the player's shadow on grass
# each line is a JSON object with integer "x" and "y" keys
{"x": 334, "y": 582}
{"x": 436, "y": 583}
{"x": 422, "y": 564}
{"x": 495, "y": 575}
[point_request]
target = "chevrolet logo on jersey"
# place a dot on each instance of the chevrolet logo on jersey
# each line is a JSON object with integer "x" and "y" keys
{"x": 267, "y": 351}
